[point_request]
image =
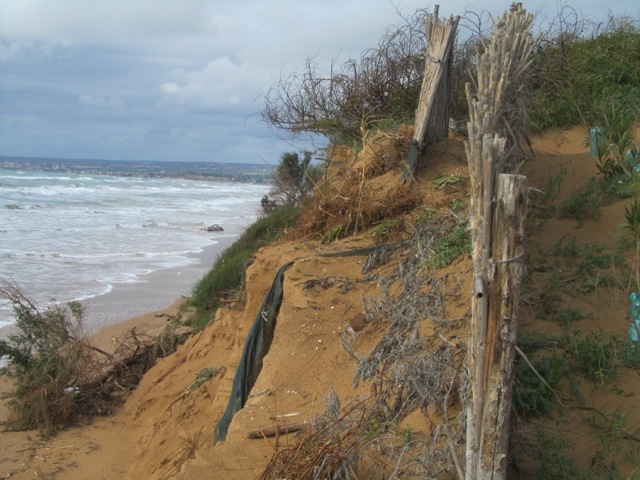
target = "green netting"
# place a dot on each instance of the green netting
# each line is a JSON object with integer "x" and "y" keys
{"x": 256, "y": 347}
{"x": 260, "y": 337}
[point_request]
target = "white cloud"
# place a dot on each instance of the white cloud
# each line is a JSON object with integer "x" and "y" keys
{"x": 219, "y": 84}
{"x": 170, "y": 88}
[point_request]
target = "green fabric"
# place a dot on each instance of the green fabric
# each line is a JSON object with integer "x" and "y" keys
{"x": 259, "y": 341}
{"x": 256, "y": 347}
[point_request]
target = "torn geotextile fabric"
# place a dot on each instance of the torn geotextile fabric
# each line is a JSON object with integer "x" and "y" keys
{"x": 261, "y": 335}
{"x": 256, "y": 347}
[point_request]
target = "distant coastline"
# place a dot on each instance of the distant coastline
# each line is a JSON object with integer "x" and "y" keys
{"x": 207, "y": 171}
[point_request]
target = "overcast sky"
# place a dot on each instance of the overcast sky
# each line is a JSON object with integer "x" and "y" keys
{"x": 180, "y": 80}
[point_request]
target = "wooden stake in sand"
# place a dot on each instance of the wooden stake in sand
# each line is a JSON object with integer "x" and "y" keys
{"x": 432, "y": 114}
{"x": 497, "y": 214}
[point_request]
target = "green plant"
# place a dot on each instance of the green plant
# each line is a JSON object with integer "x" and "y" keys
{"x": 631, "y": 354}
{"x": 551, "y": 458}
{"x": 530, "y": 342}
{"x": 407, "y": 434}
{"x": 458, "y": 205}
{"x": 45, "y": 358}
{"x": 617, "y": 444}
{"x": 443, "y": 180}
{"x": 530, "y": 394}
{"x": 550, "y": 298}
{"x": 170, "y": 338}
{"x": 204, "y": 375}
{"x": 597, "y": 357}
{"x": 618, "y": 160}
{"x": 333, "y": 234}
{"x": 584, "y": 204}
{"x": 385, "y": 228}
{"x": 606, "y": 59}
{"x": 541, "y": 200}
{"x": 566, "y": 316}
{"x": 631, "y": 232}
{"x": 373, "y": 430}
{"x": 294, "y": 178}
{"x": 450, "y": 246}
{"x": 567, "y": 246}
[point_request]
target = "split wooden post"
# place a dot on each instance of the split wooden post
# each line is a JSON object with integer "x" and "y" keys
{"x": 506, "y": 266}
{"x": 432, "y": 114}
{"x": 493, "y": 334}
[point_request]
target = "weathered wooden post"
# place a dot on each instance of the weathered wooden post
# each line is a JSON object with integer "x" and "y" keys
{"x": 432, "y": 114}
{"x": 506, "y": 267}
{"x": 497, "y": 226}
{"x": 497, "y": 215}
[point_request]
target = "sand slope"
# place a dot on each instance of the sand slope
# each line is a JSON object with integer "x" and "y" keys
{"x": 166, "y": 431}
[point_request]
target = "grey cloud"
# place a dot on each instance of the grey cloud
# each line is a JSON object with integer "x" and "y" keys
{"x": 167, "y": 79}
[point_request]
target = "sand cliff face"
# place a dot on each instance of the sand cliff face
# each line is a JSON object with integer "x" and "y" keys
{"x": 165, "y": 429}
{"x": 307, "y": 360}
{"x": 323, "y": 296}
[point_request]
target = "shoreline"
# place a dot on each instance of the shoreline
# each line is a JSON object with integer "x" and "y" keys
{"x": 150, "y": 293}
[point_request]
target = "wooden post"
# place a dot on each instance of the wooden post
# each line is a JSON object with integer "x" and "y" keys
{"x": 483, "y": 152}
{"x": 432, "y": 114}
{"x": 499, "y": 251}
{"x": 497, "y": 214}
{"x": 506, "y": 268}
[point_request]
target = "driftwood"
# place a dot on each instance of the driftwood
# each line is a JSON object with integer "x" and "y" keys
{"x": 277, "y": 430}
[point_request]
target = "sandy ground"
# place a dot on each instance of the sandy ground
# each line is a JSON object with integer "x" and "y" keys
{"x": 166, "y": 431}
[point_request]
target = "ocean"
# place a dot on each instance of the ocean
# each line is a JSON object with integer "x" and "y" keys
{"x": 66, "y": 236}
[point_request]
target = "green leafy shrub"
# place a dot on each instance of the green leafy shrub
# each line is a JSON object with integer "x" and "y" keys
{"x": 618, "y": 159}
{"x": 577, "y": 67}
{"x": 45, "y": 359}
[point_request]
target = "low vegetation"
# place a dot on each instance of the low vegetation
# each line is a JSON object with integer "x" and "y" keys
{"x": 58, "y": 374}
{"x": 225, "y": 279}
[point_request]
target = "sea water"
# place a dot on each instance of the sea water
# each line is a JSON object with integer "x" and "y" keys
{"x": 70, "y": 237}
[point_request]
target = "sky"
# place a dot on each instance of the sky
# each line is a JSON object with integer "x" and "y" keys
{"x": 182, "y": 80}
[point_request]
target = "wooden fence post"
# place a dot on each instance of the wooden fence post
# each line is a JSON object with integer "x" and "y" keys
{"x": 506, "y": 267}
{"x": 493, "y": 329}
{"x": 432, "y": 114}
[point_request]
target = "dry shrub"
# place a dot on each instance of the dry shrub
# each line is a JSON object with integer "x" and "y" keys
{"x": 385, "y": 152}
{"x": 361, "y": 192}
{"x": 329, "y": 449}
{"x": 110, "y": 378}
